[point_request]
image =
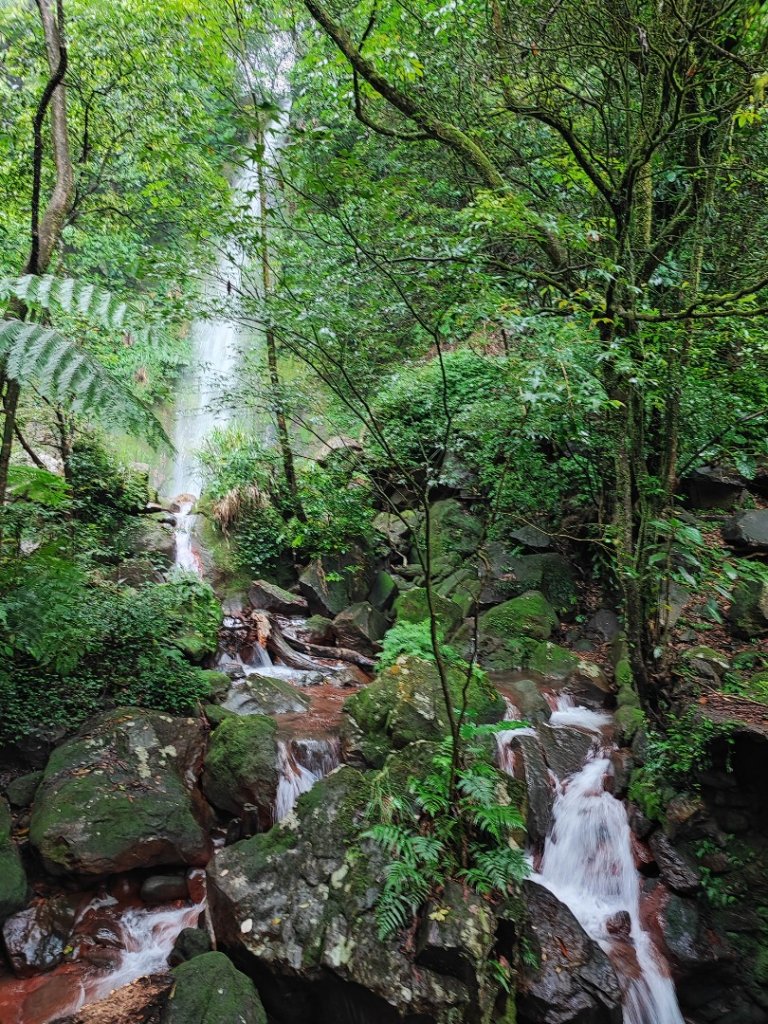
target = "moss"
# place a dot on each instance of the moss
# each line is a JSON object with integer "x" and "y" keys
{"x": 530, "y": 615}
{"x": 627, "y": 698}
{"x": 255, "y": 853}
{"x": 623, "y": 673}
{"x": 216, "y": 714}
{"x": 412, "y": 606}
{"x": 241, "y": 763}
{"x": 550, "y": 660}
{"x": 210, "y": 990}
{"x": 405, "y": 703}
{"x": 628, "y": 720}
{"x": 13, "y": 881}
{"x": 217, "y": 683}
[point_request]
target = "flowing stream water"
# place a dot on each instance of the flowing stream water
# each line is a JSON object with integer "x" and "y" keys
{"x": 588, "y": 864}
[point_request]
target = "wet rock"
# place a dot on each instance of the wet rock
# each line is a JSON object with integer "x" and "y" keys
{"x": 191, "y": 942}
{"x": 692, "y": 944}
{"x": 264, "y": 695}
{"x": 638, "y": 822}
{"x": 412, "y": 606}
{"x": 619, "y": 925}
{"x": 679, "y": 875}
{"x": 506, "y": 631}
{"x": 241, "y": 766}
{"x": 334, "y": 583}
{"x": 405, "y": 703}
{"x": 748, "y": 531}
{"x": 360, "y": 628}
{"x": 686, "y": 817}
{"x": 271, "y": 598}
{"x": 21, "y": 792}
{"x": 526, "y": 696}
{"x": 529, "y": 767}
{"x": 35, "y": 939}
{"x": 565, "y": 750}
{"x": 164, "y": 888}
{"x": 296, "y": 908}
{"x": 121, "y": 794}
{"x": 13, "y": 881}
{"x": 210, "y": 990}
{"x": 138, "y": 1003}
{"x": 574, "y": 982}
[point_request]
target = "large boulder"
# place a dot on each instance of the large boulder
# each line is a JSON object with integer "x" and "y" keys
{"x": 507, "y": 575}
{"x": 152, "y": 537}
{"x": 269, "y": 597}
{"x": 405, "y": 703}
{"x": 13, "y": 881}
{"x": 333, "y": 583}
{"x": 121, "y": 794}
{"x": 241, "y": 766}
{"x": 210, "y": 990}
{"x": 360, "y": 628}
{"x": 509, "y": 632}
{"x": 714, "y": 487}
{"x": 675, "y": 870}
{"x": 748, "y": 531}
{"x": 264, "y": 695}
{"x": 35, "y": 939}
{"x": 574, "y": 982}
{"x": 522, "y": 756}
{"x": 691, "y": 942}
{"x": 413, "y": 606}
{"x": 455, "y": 536}
{"x": 295, "y": 907}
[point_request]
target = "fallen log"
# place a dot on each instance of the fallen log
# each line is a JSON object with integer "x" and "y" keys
{"x": 336, "y": 654}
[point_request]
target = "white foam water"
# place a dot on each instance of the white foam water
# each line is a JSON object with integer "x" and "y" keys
{"x": 301, "y": 763}
{"x": 588, "y": 864}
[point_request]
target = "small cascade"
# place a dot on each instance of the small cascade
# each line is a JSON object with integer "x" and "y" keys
{"x": 588, "y": 865}
{"x": 301, "y": 763}
{"x": 187, "y": 555}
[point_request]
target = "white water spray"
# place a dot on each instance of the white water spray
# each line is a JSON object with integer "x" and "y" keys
{"x": 301, "y": 763}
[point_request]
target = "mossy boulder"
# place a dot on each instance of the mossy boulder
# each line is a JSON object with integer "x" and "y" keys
{"x": 706, "y": 662}
{"x": 216, "y": 683}
{"x": 405, "y": 703}
{"x": 241, "y": 766}
{"x": 333, "y": 583}
{"x": 553, "y": 661}
{"x": 360, "y": 627}
{"x": 383, "y": 591}
{"x": 149, "y": 537}
{"x": 318, "y": 629}
{"x": 271, "y": 598}
{"x": 13, "y": 881}
{"x": 121, "y": 795}
{"x": 412, "y": 606}
{"x": 195, "y": 616}
{"x": 528, "y": 615}
{"x": 210, "y": 990}
{"x": 21, "y": 791}
{"x": 455, "y": 536}
{"x": 507, "y": 575}
{"x": 296, "y": 908}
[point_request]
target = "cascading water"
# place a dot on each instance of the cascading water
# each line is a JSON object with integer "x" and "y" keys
{"x": 300, "y": 764}
{"x": 588, "y": 865}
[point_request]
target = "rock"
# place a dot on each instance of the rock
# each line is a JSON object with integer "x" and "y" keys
{"x": 679, "y": 875}
{"x": 714, "y": 487}
{"x": 552, "y": 661}
{"x": 241, "y": 766}
{"x": 565, "y": 750}
{"x": 138, "y": 1003}
{"x": 191, "y": 942}
{"x": 318, "y": 629}
{"x": 619, "y": 925}
{"x": 748, "y": 613}
{"x": 672, "y": 604}
{"x": 271, "y": 598}
{"x": 526, "y": 696}
{"x": 574, "y": 982}
{"x": 706, "y": 662}
{"x": 120, "y": 795}
{"x": 296, "y": 908}
{"x": 455, "y": 536}
{"x": 332, "y": 584}
{"x": 218, "y": 683}
{"x": 692, "y": 944}
{"x": 360, "y": 627}
{"x": 412, "y": 606}
{"x": 210, "y": 990}
{"x": 13, "y": 881}
{"x": 529, "y": 766}
{"x": 748, "y": 531}
{"x": 396, "y": 529}
{"x": 457, "y": 933}
{"x": 512, "y": 576}
{"x": 216, "y": 714}
{"x": 686, "y": 817}
{"x": 405, "y": 703}
{"x": 506, "y": 632}
{"x": 383, "y": 591}
{"x": 604, "y": 626}
{"x": 531, "y": 537}
{"x": 35, "y": 939}
{"x": 149, "y": 536}
{"x": 164, "y": 888}
{"x": 264, "y": 695}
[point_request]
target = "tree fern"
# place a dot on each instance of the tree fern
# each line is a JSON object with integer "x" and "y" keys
{"x": 66, "y": 374}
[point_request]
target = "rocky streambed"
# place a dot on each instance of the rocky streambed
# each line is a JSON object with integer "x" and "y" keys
{"x": 148, "y": 836}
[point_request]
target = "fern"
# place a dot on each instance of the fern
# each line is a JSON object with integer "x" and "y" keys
{"x": 64, "y": 373}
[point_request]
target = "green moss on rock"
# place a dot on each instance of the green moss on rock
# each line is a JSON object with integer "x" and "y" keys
{"x": 551, "y": 660}
{"x": 210, "y": 990}
{"x": 412, "y": 606}
{"x": 13, "y": 881}
{"x": 529, "y": 615}
{"x": 241, "y": 764}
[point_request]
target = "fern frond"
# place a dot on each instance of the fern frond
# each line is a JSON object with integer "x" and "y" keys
{"x": 78, "y": 298}
{"x": 66, "y": 374}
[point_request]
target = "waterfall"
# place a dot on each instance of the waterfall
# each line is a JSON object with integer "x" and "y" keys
{"x": 300, "y": 764}
{"x": 588, "y": 865}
